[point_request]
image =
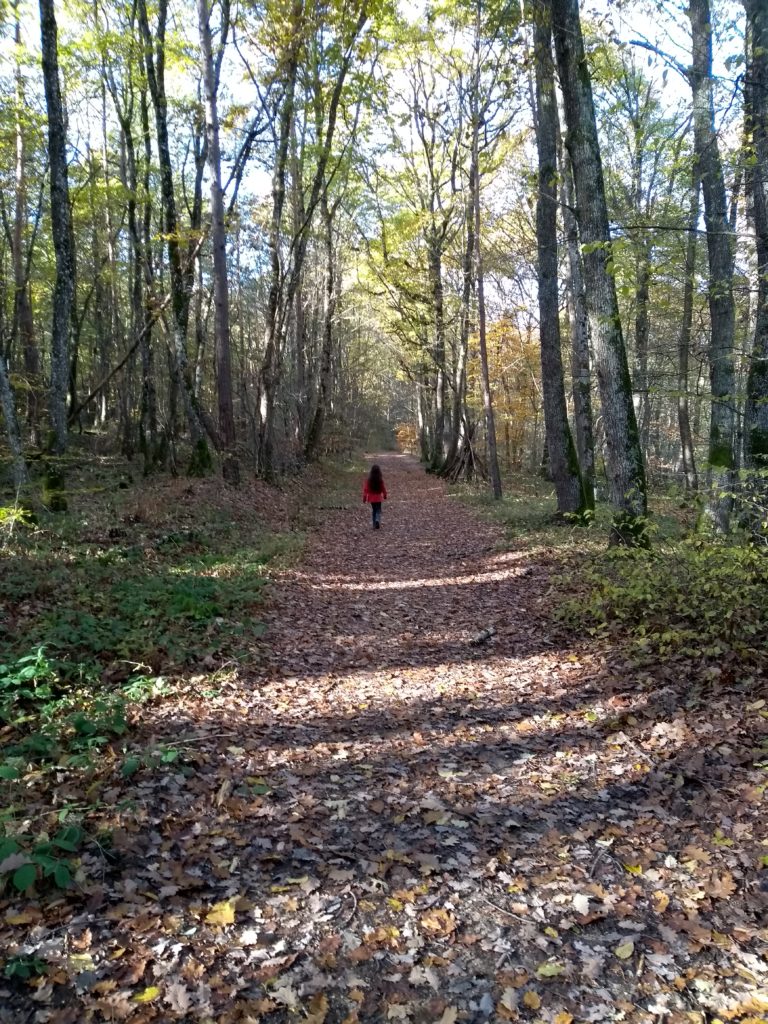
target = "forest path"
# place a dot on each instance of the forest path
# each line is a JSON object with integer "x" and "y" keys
{"x": 404, "y": 601}
{"x": 374, "y": 820}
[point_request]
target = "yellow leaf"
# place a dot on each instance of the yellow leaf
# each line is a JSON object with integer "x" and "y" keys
{"x": 634, "y": 869}
{"x": 531, "y": 1000}
{"x": 222, "y": 913}
{"x": 625, "y": 950}
{"x": 549, "y": 969}
{"x": 562, "y": 1018}
{"x": 660, "y": 901}
{"x": 720, "y": 840}
{"x": 396, "y": 905}
{"x": 551, "y": 932}
{"x": 25, "y": 917}
{"x": 148, "y": 995}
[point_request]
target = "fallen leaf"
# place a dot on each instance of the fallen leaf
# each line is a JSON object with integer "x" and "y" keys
{"x": 549, "y": 969}
{"x": 223, "y": 913}
{"x": 532, "y": 1000}
{"x": 148, "y": 995}
{"x": 317, "y": 1010}
{"x": 450, "y": 1013}
{"x": 625, "y": 950}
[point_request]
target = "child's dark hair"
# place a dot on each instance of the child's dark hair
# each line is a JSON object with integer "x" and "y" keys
{"x": 375, "y": 479}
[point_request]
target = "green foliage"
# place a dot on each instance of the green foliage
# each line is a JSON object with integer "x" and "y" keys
{"x": 24, "y": 967}
{"x": 32, "y": 861}
{"x": 14, "y": 516}
{"x": 157, "y": 757}
{"x": 696, "y": 599}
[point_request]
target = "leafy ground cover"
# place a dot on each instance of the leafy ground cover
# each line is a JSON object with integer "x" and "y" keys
{"x": 365, "y": 815}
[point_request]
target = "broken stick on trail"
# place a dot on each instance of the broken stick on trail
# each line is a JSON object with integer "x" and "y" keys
{"x": 375, "y": 820}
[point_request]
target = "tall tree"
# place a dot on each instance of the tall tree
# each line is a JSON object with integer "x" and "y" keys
{"x": 477, "y": 113}
{"x": 61, "y": 227}
{"x": 756, "y": 103}
{"x": 211, "y": 71}
{"x": 624, "y": 458}
{"x": 688, "y": 454}
{"x": 23, "y": 320}
{"x": 563, "y": 462}
{"x": 722, "y": 312}
{"x": 154, "y": 61}
{"x": 12, "y": 432}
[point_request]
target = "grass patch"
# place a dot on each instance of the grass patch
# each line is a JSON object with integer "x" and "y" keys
{"x": 527, "y": 513}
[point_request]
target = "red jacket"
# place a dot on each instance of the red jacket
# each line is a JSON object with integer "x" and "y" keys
{"x": 369, "y": 495}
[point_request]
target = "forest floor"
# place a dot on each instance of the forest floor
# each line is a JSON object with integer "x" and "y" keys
{"x": 368, "y": 817}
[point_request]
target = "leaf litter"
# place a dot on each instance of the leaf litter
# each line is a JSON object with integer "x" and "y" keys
{"x": 375, "y": 820}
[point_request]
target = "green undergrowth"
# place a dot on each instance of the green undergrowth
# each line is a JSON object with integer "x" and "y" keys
{"x": 105, "y": 611}
{"x": 687, "y": 597}
{"x": 527, "y": 513}
{"x": 694, "y": 599}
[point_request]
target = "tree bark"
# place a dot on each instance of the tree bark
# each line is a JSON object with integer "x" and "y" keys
{"x": 12, "y": 432}
{"x": 435, "y": 260}
{"x": 269, "y": 366}
{"x": 684, "y": 346}
{"x": 222, "y": 347}
{"x": 63, "y": 239}
{"x": 24, "y": 326}
{"x": 154, "y": 61}
{"x": 458, "y": 434}
{"x": 326, "y": 353}
{"x": 756, "y": 104}
{"x": 624, "y": 456}
{"x": 490, "y": 425}
{"x": 642, "y": 336}
{"x": 721, "y": 462}
{"x": 581, "y": 372}
{"x": 563, "y": 461}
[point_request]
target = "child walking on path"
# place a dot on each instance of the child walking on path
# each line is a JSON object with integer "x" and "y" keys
{"x": 375, "y": 492}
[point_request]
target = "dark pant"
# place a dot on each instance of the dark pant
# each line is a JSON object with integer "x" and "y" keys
{"x": 376, "y": 513}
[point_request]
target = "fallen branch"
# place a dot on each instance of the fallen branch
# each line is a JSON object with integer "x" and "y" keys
{"x": 482, "y": 636}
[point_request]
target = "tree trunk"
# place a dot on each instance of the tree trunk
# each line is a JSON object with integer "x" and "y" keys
{"x": 269, "y": 366}
{"x": 625, "y": 468}
{"x": 721, "y": 461}
{"x": 563, "y": 462}
{"x": 579, "y": 327}
{"x": 435, "y": 258}
{"x": 684, "y": 346}
{"x": 756, "y": 103}
{"x": 458, "y": 416}
{"x": 12, "y": 432}
{"x": 24, "y": 326}
{"x": 490, "y": 425}
{"x": 223, "y": 358}
{"x": 180, "y": 295}
{"x": 315, "y": 432}
{"x": 63, "y": 242}
{"x": 642, "y": 335}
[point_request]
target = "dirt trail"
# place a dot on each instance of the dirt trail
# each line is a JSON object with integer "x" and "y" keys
{"x": 379, "y": 821}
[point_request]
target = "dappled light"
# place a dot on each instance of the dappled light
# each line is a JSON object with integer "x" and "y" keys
{"x": 369, "y": 812}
